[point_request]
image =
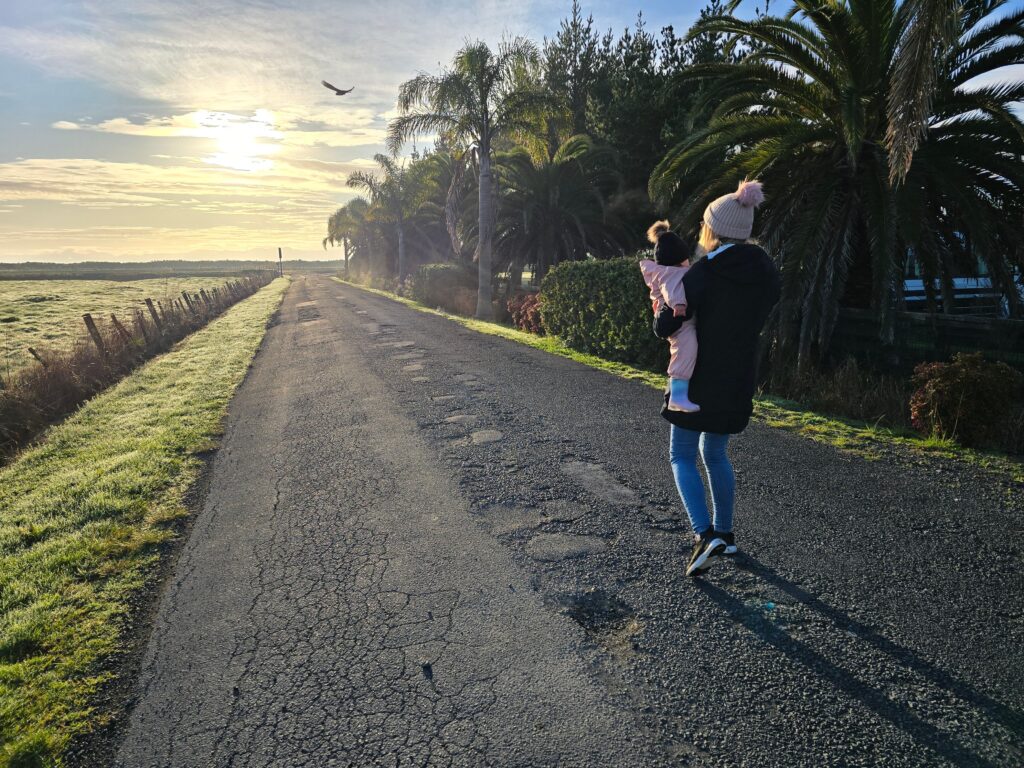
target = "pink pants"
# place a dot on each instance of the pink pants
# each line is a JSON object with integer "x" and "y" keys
{"x": 683, "y": 346}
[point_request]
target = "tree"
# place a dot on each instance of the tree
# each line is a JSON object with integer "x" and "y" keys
{"x": 930, "y": 28}
{"x": 806, "y": 112}
{"x": 554, "y": 209}
{"x": 351, "y": 227}
{"x": 571, "y": 66}
{"x": 479, "y": 99}
{"x": 392, "y": 196}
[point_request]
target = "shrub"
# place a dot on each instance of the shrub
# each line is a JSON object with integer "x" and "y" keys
{"x": 448, "y": 286}
{"x": 847, "y": 389}
{"x": 602, "y": 307}
{"x": 525, "y": 311}
{"x": 969, "y": 399}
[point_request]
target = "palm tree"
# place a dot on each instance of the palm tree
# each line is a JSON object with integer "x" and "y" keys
{"x": 392, "y": 197}
{"x": 479, "y": 99}
{"x": 930, "y": 27}
{"x": 806, "y": 112}
{"x": 553, "y": 207}
{"x": 351, "y": 227}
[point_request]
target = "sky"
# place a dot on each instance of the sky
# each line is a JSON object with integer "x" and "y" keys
{"x": 133, "y": 130}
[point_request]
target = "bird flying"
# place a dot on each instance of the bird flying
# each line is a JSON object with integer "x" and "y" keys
{"x": 337, "y": 91}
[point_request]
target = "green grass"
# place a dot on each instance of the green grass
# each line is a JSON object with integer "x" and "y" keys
{"x": 866, "y": 440}
{"x": 48, "y": 313}
{"x": 82, "y": 520}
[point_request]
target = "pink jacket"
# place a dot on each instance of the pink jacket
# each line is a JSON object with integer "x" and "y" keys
{"x": 666, "y": 284}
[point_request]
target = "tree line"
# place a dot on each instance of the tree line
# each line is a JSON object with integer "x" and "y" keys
{"x": 884, "y": 132}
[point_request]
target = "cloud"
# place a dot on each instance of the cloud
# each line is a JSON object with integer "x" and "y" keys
{"x": 125, "y": 206}
{"x": 235, "y": 54}
{"x": 215, "y": 110}
{"x": 344, "y": 128}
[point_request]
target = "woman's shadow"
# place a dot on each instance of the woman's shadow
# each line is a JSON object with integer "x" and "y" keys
{"x": 898, "y": 713}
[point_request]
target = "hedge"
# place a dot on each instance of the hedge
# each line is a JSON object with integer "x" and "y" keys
{"x": 604, "y": 308}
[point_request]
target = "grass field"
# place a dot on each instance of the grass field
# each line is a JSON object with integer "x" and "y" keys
{"x": 82, "y": 520}
{"x": 48, "y": 313}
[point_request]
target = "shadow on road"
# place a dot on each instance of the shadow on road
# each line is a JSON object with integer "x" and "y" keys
{"x": 899, "y": 714}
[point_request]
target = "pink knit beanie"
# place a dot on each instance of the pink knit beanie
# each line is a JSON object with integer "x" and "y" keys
{"x": 732, "y": 215}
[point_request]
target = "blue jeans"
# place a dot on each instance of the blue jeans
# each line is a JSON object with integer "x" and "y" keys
{"x": 682, "y": 451}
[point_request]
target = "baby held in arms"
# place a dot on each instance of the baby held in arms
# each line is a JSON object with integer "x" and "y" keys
{"x": 664, "y": 276}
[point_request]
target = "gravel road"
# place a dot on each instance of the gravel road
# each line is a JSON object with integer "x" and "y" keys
{"x": 426, "y": 546}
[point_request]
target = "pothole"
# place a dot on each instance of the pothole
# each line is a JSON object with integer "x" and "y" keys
{"x": 305, "y": 314}
{"x": 607, "y": 618}
{"x": 561, "y": 511}
{"x": 553, "y": 547}
{"x": 596, "y": 480}
{"x": 461, "y": 418}
{"x": 486, "y": 436}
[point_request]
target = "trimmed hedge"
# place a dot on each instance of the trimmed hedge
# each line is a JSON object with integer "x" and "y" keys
{"x": 604, "y": 308}
{"x": 446, "y": 286}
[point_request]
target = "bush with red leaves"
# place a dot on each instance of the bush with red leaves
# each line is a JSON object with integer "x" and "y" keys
{"x": 525, "y": 311}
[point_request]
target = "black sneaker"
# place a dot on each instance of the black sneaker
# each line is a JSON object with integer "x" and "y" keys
{"x": 704, "y": 548}
{"x": 730, "y": 542}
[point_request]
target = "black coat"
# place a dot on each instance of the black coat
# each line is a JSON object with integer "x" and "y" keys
{"x": 731, "y": 295}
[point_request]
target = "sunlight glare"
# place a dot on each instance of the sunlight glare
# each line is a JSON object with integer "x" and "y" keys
{"x": 244, "y": 143}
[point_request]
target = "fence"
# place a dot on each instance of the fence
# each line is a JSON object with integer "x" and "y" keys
{"x": 922, "y": 337}
{"x": 108, "y": 349}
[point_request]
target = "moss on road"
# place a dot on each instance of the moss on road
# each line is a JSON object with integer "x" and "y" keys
{"x": 82, "y": 520}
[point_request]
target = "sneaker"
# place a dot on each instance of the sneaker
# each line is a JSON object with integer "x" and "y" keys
{"x": 704, "y": 548}
{"x": 730, "y": 542}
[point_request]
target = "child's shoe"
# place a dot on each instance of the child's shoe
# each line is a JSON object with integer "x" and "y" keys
{"x": 679, "y": 398}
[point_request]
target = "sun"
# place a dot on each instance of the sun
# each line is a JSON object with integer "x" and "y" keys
{"x": 243, "y": 143}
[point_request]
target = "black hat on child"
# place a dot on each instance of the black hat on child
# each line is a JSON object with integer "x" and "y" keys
{"x": 669, "y": 248}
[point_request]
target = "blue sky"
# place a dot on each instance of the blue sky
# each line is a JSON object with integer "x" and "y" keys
{"x": 140, "y": 129}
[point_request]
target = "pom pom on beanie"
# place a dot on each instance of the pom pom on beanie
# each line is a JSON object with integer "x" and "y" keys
{"x": 732, "y": 215}
{"x": 750, "y": 194}
{"x": 656, "y": 230}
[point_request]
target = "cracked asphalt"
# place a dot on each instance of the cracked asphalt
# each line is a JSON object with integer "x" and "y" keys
{"x": 423, "y": 546}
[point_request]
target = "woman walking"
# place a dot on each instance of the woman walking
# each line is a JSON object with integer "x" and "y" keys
{"x": 731, "y": 292}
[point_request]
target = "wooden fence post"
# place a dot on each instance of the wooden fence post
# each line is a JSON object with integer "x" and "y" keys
{"x": 188, "y": 302}
{"x": 36, "y": 355}
{"x": 90, "y": 325}
{"x": 156, "y": 318}
{"x": 121, "y": 331}
{"x": 140, "y": 320}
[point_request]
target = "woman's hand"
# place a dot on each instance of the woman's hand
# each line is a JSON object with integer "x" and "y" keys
{"x": 679, "y": 310}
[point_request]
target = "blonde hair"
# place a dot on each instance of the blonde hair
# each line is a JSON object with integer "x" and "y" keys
{"x": 709, "y": 239}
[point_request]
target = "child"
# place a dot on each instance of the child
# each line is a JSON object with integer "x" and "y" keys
{"x": 664, "y": 276}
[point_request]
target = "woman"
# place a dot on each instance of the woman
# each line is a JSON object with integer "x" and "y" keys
{"x": 731, "y": 291}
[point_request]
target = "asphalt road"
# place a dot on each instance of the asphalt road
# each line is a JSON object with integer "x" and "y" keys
{"x": 425, "y": 546}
